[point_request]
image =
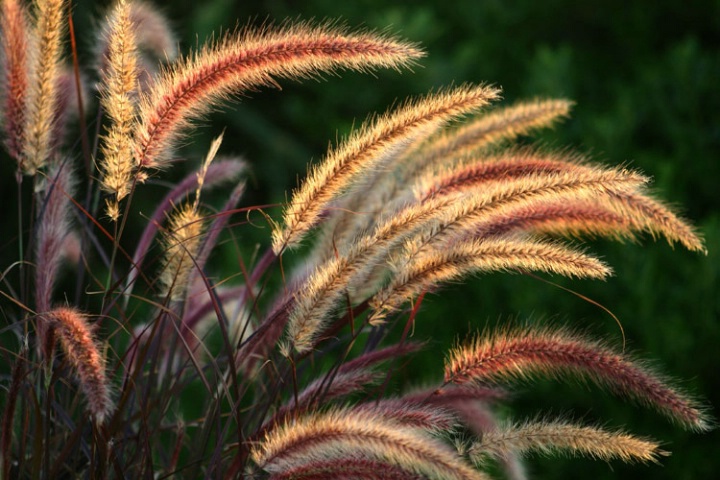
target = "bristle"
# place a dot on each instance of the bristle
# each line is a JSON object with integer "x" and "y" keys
{"x": 550, "y": 437}
{"x": 535, "y": 351}
{"x": 43, "y": 88}
{"x": 366, "y": 148}
{"x": 248, "y": 60}
{"x": 83, "y": 354}
{"x": 14, "y": 36}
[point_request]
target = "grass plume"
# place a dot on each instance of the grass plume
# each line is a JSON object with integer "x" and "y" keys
{"x": 15, "y": 35}
{"x": 451, "y": 262}
{"x": 249, "y": 59}
{"x": 340, "y": 432}
{"x": 119, "y": 102}
{"x": 42, "y": 95}
{"x": 528, "y": 352}
{"x": 558, "y": 436}
{"x": 84, "y": 356}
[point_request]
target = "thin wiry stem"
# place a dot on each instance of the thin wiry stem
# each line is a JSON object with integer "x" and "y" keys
{"x": 16, "y": 379}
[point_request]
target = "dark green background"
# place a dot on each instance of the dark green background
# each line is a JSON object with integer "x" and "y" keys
{"x": 645, "y": 78}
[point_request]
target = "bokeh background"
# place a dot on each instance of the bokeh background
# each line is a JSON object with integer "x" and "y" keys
{"x": 645, "y": 77}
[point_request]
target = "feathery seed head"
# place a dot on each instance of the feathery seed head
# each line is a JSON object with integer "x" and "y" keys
{"x": 247, "y": 60}
{"x": 551, "y": 436}
{"x": 527, "y": 352}
{"x": 119, "y": 92}
{"x": 55, "y": 193}
{"x": 14, "y": 41}
{"x": 42, "y": 95}
{"x": 341, "y": 432}
{"x": 507, "y": 123}
{"x": 183, "y": 238}
{"x": 153, "y": 34}
{"x": 426, "y": 269}
{"x": 83, "y": 354}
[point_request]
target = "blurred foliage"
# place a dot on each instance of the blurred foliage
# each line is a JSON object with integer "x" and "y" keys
{"x": 645, "y": 79}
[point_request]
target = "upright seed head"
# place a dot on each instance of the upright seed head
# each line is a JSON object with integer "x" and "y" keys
{"x": 43, "y": 88}
{"x": 183, "y": 239}
{"x": 14, "y": 36}
{"x": 119, "y": 92}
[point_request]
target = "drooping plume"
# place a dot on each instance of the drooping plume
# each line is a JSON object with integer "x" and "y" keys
{"x": 528, "y": 352}
{"x": 83, "y": 354}
{"x": 246, "y": 60}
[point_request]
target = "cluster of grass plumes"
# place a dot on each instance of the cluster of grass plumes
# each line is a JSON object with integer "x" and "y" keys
{"x": 165, "y": 370}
